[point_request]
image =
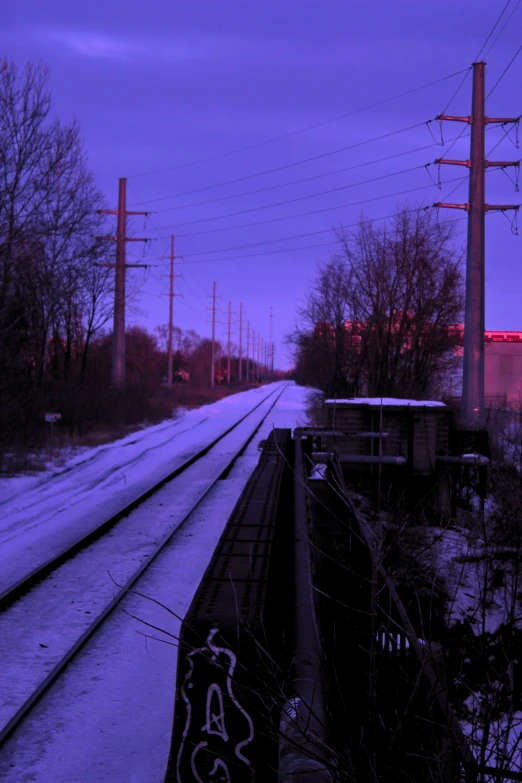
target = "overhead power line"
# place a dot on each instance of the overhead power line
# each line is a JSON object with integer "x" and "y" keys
{"x": 307, "y": 214}
{"x": 459, "y": 181}
{"x": 295, "y": 163}
{"x": 506, "y": 69}
{"x": 468, "y": 70}
{"x": 323, "y": 230}
{"x": 294, "y": 200}
{"x": 299, "y": 130}
{"x": 503, "y": 28}
{"x": 305, "y": 247}
{"x": 296, "y": 181}
{"x": 492, "y": 30}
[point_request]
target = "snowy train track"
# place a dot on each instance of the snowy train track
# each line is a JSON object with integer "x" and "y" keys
{"x": 79, "y": 588}
{"x": 12, "y": 593}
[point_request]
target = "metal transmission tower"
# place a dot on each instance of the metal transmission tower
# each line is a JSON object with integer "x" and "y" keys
{"x": 118, "y": 334}
{"x": 171, "y": 311}
{"x": 247, "y": 347}
{"x": 228, "y": 343}
{"x": 212, "y": 368}
{"x": 240, "y": 369}
{"x": 254, "y": 355}
{"x": 271, "y": 361}
{"x": 472, "y": 409}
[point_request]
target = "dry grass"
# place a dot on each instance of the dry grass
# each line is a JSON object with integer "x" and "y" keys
{"x": 23, "y": 459}
{"x": 315, "y": 409}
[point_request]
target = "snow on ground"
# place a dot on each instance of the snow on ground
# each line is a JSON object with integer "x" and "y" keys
{"x": 70, "y": 456}
{"x": 461, "y": 562}
{"x": 378, "y": 401}
{"x": 501, "y": 739}
{"x": 37, "y": 522}
{"x": 110, "y": 715}
{"x": 50, "y": 619}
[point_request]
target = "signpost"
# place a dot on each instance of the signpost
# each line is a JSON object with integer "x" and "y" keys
{"x": 51, "y": 418}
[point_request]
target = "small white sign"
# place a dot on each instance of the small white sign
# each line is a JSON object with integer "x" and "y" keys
{"x": 53, "y": 416}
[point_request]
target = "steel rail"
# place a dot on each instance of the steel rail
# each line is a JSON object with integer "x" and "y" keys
{"x": 18, "y": 718}
{"x": 27, "y": 582}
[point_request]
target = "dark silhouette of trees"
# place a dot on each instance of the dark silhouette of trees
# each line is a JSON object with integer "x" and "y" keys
{"x": 56, "y": 290}
{"x": 376, "y": 318}
{"x": 53, "y": 298}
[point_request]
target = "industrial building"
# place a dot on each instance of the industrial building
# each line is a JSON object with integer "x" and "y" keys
{"x": 502, "y": 369}
{"x": 502, "y": 364}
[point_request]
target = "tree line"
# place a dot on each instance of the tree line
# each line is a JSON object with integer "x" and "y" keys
{"x": 54, "y": 298}
{"x": 377, "y": 317}
{"x": 56, "y": 290}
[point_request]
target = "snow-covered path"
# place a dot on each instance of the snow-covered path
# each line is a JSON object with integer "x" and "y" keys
{"x": 110, "y": 715}
{"x": 35, "y": 523}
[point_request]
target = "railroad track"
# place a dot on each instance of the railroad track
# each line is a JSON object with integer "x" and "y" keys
{"x": 41, "y": 587}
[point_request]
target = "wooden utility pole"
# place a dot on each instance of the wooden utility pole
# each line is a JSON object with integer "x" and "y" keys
{"x": 171, "y": 311}
{"x": 247, "y": 346}
{"x": 212, "y": 368}
{"x": 472, "y": 408}
{"x": 240, "y": 372}
{"x": 228, "y": 346}
{"x": 118, "y": 334}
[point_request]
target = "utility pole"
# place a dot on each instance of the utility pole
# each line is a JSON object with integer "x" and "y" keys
{"x": 118, "y": 334}
{"x": 254, "y": 356}
{"x": 240, "y": 373}
{"x": 212, "y": 369}
{"x": 258, "y": 341}
{"x": 271, "y": 364}
{"x": 472, "y": 408}
{"x": 247, "y": 346}
{"x": 228, "y": 346}
{"x": 171, "y": 309}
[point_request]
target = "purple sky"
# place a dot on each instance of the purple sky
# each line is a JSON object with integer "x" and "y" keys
{"x": 158, "y": 84}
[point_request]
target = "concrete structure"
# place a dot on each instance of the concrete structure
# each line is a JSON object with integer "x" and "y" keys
{"x": 411, "y": 433}
{"x": 393, "y": 446}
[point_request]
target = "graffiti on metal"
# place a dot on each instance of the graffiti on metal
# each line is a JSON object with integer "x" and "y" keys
{"x": 217, "y": 728}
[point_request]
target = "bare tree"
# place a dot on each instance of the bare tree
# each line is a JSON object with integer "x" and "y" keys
{"x": 380, "y": 309}
{"x": 52, "y": 297}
